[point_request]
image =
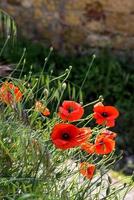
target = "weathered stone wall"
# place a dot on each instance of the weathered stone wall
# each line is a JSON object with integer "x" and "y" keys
{"x": 76, "y": 23}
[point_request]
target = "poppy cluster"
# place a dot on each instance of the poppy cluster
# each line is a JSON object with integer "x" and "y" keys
{"x": 9, "y": 93}
{"x": 104, "y": 143}
{"x": 65, "y": 135}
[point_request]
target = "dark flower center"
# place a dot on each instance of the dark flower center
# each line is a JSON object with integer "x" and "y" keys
{"x": 104, "y": 114}
{"x": 65, "y": 136}
{"x": 70, "y": 109}
{"x": 101, "y": 143}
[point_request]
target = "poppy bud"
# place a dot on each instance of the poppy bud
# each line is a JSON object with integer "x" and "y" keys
{"x": 51, "y": 48}
{"x": 70, "y": 67}
{"x": 94, "y": 56}
{"x": 25, "y": 76}
{"x": 30, "y": 72}
{"x": 67, "y": 70}
{"x": 101, "y": 98}
{"x": 46, "y": 59}
{"x": 64, "y": 85}
{"x": 51, "y": 71}
{"x": 46, "y": 92}
{"x": 81, "y": 103}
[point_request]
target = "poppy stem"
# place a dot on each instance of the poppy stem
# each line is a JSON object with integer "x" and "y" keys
{"x": 89, "y": 67}
{"x": 93, "y": 102}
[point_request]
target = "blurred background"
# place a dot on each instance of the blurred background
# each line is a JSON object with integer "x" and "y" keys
{"x": 77, "y": 29}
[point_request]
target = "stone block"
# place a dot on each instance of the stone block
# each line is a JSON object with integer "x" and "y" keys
{"x": 38, "y": 14}
{"x": 74, "y": 35}
{"x": 121, "y": 42}
{"x": 37, "y": 3}
{"x": 95, "y": 26}
{"x": 120, "y": 23}
{"x": 98, "y": 40}
{"x": 51, "y": 5}
{"x": 14, "y": 2}
{"x": 78, "y": 4}
{"x": 120, "y": 6}
{"x": 27, "y": 3}
{"x": 75, "y": 18}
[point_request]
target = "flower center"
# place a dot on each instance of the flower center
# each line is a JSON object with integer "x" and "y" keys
{"x": 70, "y": 109}
{"x": 104, "y": 114}
{"x": 65, "y": 136}
{"x": 101, "y": 143}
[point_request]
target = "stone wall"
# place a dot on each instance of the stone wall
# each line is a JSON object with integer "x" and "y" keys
{"x": 75, "y": 23}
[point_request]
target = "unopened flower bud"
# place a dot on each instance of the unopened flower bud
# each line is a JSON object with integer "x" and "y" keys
{"x": 70, "y": 67}
{"x": 94, "y": 56}
{"x": 51, "y": 48}
{"x": 64, "y": 85}
{"x": 46, "y": 59}
{"x": 28, "y": 85}
{"x": 81, "y": 103}
{"x": 46, "y": 92}
{"x": 101, "y": 98}
{"x": 51, "y": 71}
{"x": 67, "y": 70}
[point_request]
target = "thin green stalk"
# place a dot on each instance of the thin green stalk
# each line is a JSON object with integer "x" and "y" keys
{"x": 41, "y": 74}
{"x": 3, "y": 48}
{"x": 21, "y": 59}
{"x": 87, "y": 73}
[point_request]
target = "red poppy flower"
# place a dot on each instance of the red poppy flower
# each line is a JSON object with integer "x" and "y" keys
{"x": 105, "y": 115}
{"x": 9, "y": 93}
{"x": 87, "y": 169}
{"x": 88, "y": 147}
{"x": 104, "y": 145}
{"x": 66, "y": 136}
{"x": 39, "y": 107}
{"x": 70, "y": 110}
